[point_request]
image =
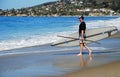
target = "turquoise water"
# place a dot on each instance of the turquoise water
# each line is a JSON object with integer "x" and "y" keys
{"x": 17, "y": 32}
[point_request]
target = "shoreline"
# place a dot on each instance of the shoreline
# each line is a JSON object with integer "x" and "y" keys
{"x": 41, "y": 47}
{"x": 117, "y": 35}
{"x": 61, "y": 63}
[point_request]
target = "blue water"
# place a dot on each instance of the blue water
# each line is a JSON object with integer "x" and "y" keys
{"x": 17, "y": 32}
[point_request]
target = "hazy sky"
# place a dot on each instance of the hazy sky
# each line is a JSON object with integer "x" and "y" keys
{"x": 9, "y": 4}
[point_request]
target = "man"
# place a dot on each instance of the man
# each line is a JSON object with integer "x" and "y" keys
{"x": 82, "y": 28}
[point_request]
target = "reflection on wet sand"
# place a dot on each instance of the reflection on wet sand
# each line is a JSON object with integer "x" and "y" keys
{"x": 85, "y": 63}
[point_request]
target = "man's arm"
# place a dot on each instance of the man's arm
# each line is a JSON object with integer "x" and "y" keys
{"x": 82, "y": 32}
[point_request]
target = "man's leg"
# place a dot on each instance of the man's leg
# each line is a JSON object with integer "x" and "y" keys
{"x": 89, "y": 50}
{"x": 81, "y": 49}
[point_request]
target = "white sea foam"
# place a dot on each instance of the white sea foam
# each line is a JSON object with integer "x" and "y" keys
{"x": 52, "y": 37}
{"x": 32, "y": 41}
{"x": 99, "y": 48}
{"x": 101, "y": 23}
{"x": 105, "y": 23}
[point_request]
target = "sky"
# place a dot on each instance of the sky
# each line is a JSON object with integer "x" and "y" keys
{"x": 9, "y": 4}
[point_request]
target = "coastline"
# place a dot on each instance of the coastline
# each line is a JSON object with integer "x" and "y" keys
{"x": 60, "y": 62}
{"x": 65, "y": 16}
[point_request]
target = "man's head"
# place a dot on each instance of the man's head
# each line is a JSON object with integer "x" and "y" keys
{"x": 81, "y": 19}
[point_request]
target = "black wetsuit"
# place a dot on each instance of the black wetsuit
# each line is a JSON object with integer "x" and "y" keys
{"x": 82, "y": 26}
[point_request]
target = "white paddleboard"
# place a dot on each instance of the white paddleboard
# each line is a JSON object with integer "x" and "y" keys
{"x": 92, "y": 35}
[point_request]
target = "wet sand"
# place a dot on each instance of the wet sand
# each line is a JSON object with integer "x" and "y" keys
{"x": 107, "y": 70}
{"x": 59, "y": 64}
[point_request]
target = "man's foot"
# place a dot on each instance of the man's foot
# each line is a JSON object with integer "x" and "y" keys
{"x": 90, "y": 53}
{"x": 79, "y": 54}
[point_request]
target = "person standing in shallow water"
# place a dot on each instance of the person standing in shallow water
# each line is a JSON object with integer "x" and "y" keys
{"x": 82, "y": 29}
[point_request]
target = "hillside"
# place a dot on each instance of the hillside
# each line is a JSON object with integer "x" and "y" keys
{"x": 68, "y": 7}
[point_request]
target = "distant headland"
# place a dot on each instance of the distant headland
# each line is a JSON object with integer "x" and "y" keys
{"x": 68, "y": 8}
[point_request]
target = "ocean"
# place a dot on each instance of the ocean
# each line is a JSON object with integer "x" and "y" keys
{"x": 26, "y": 51}
{"x": 19, "y": 32}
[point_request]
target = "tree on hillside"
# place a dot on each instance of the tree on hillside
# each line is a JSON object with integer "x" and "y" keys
{"x": 115, "y": 5}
